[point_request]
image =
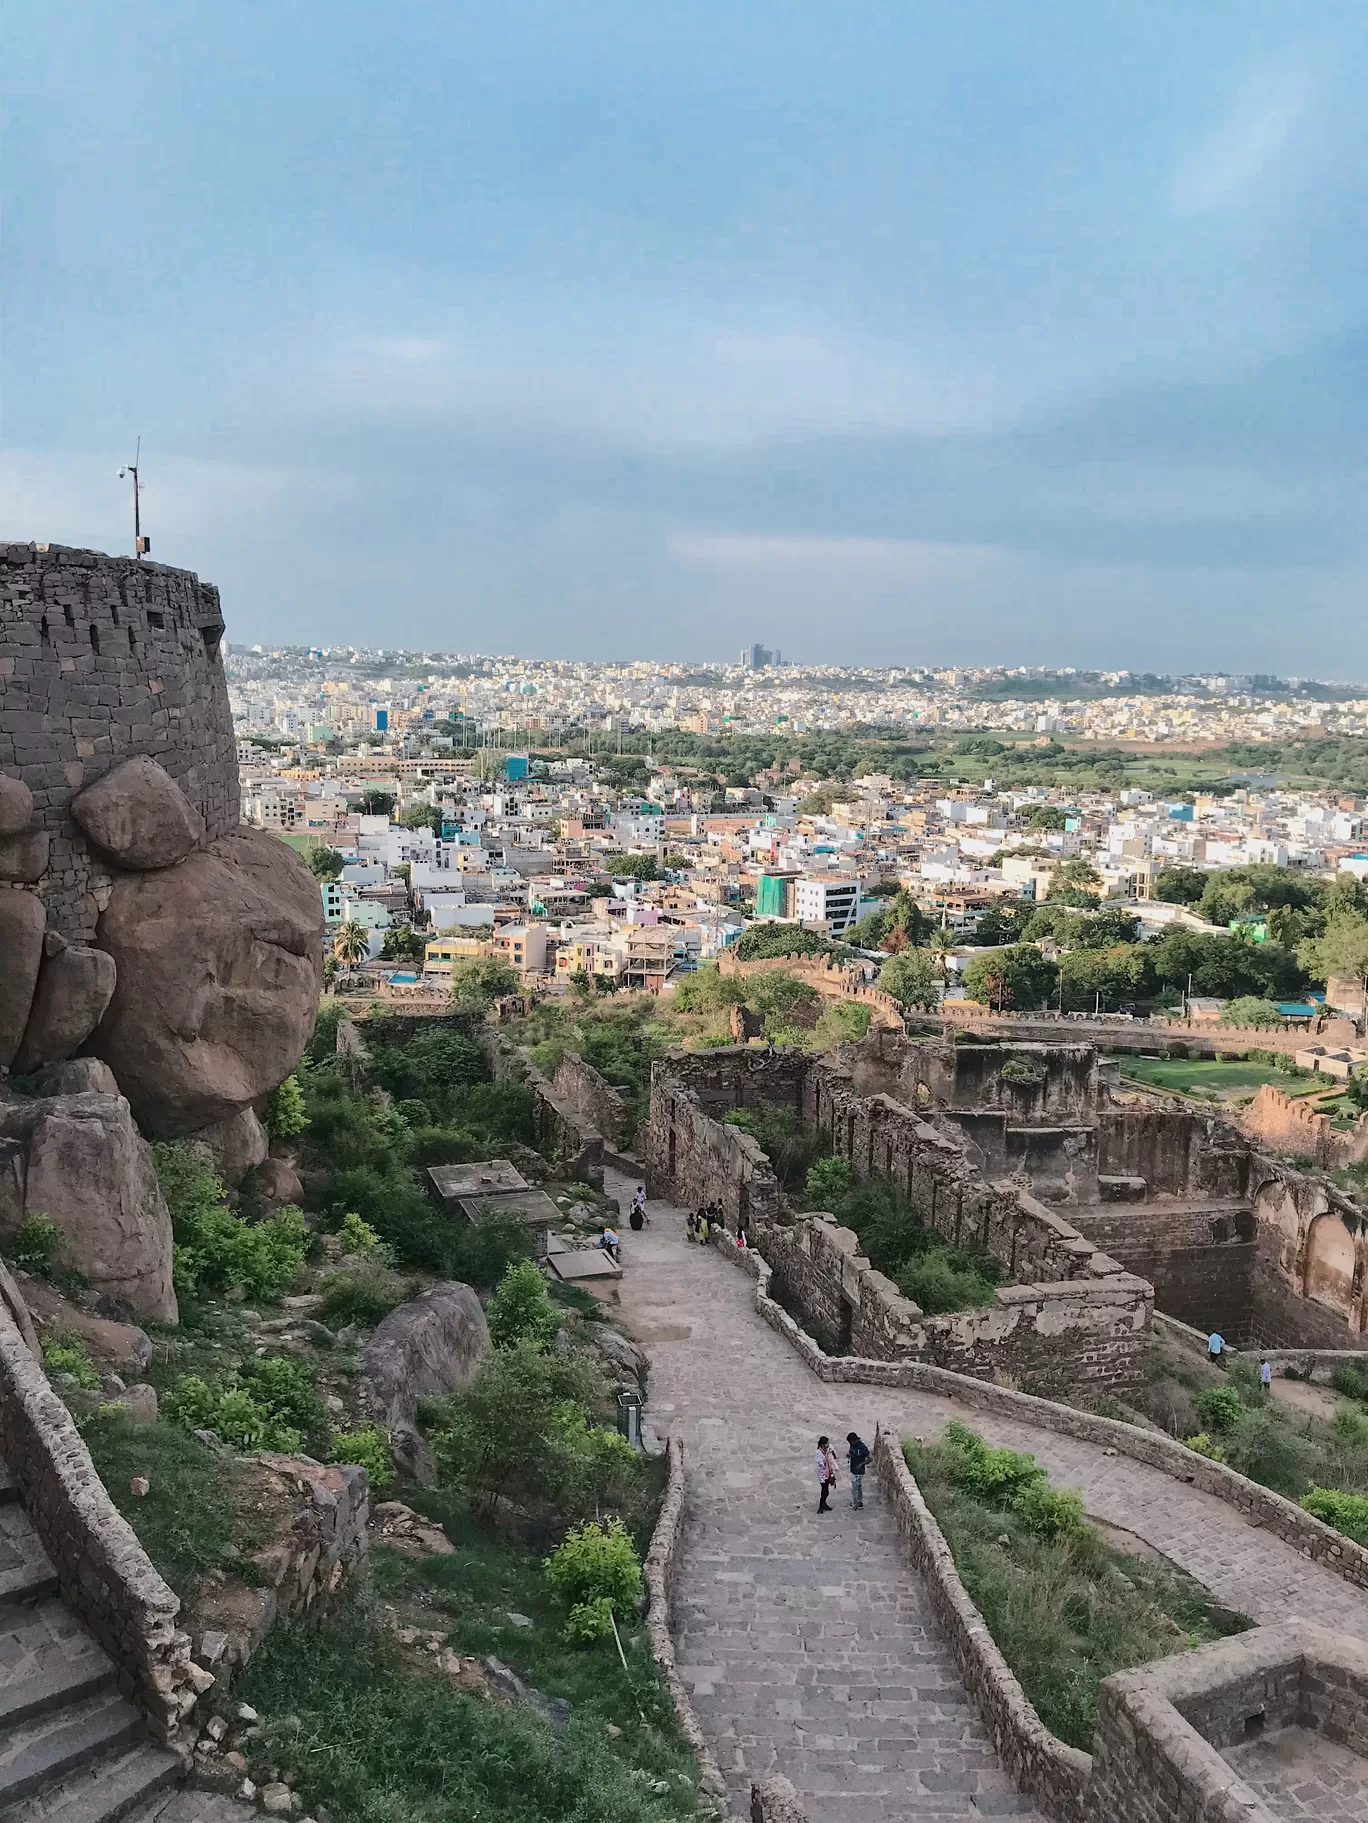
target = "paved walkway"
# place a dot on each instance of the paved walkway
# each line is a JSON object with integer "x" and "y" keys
{"x": 807, "y": 1641}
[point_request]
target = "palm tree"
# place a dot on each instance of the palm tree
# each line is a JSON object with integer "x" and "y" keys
{"x": 942, "y": 943}
{"x": 351, "y": 944}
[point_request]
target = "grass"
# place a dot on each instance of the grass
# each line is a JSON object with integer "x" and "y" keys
{"x": 189, "y": 1521}
{"x": 1065, "y": 1611}
{"x": 1211, "y": 1080}
{"x": 383, "y": 1739}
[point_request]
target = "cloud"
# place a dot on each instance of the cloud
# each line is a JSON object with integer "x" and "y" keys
{"x": 1228, "y": 160}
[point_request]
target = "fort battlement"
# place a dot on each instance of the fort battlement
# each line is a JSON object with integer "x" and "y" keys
{"x": 102, "y": 658}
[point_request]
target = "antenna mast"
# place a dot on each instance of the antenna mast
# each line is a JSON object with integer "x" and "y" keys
{"x": 141, "y": 545}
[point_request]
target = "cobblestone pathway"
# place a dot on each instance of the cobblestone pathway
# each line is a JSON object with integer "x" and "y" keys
{"x": 807, "y": 1642}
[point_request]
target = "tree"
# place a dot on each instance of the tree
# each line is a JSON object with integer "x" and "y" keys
{"x": 1076, "y": 882}
{"x": 763, "y": 940}
{"x": 521, "y": 1310}
{"x": 1017, "y": 978}
{"x": 1046, "y": 816}
{"x": 910, "y": 977}
{"x": 351, "y": 944}
{"x": 1342, "y": 950}
{"x": 906, "y": 922}
{"x": 943, "y": 943}
{"x": 1249, "y": 1009}
{"x": 1179, "y": 885}
{"x": 325, "y": 863}
{"x": 286, "y": 1117}
{"x": 478, "y": 981}
{"x": 633, "y": 867}
{"x": 1004, "y": 923}
{"x": 424, "y": 816}
{"x": 375, "y": 802}
{"x": 1099, "y": 979}
{"x": 403, "y": 945}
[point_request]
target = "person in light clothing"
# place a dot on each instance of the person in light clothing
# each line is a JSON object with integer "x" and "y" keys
{"x": 826, "y": 1473}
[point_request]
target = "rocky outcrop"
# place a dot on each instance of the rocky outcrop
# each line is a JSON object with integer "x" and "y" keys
{"x": 120, "y": 1348}
{"x": 236, "y": 1145}
{"x": 80, "y": 1161}
{"x": 219, "y": 970}
{"x": 76, "y": 1076}
{"x": 434, "y": 1344}
{"x": 138, "y": 815}
{"x": 16, "y": 806}
{"x": 279, "y": 1181}
{"x": 24, "y": 858}
{"x": 22, "y": 922}
{"x": 74, "y": 988}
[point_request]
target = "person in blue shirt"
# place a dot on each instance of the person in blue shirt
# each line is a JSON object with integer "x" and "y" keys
{"x": 858, "y": 1456}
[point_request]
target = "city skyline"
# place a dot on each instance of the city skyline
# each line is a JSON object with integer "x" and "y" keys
{"x": 962, "y": 336}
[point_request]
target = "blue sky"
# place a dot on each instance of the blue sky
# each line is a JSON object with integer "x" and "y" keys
{"x": 900, "y": 333}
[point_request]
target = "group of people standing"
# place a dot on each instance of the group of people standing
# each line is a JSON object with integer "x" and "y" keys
{"x": 857, "y": 1455}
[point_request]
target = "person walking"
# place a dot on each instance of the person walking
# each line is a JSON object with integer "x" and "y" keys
{"x": 1215, "y": 1347}
{"x": 857, "y": 1453}
{"x": 826, "y": 1473}
{"x": 1266, "y": 1377}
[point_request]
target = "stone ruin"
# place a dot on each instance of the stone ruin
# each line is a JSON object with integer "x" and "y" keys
{"x": 160, "y": 965}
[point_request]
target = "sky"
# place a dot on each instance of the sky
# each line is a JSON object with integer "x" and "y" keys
{"x": 906, "y": 333}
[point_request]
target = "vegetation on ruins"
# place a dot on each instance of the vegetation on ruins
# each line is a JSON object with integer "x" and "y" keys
{"x": 937, "y": 1275}
{"x": 1065, "y": 1606}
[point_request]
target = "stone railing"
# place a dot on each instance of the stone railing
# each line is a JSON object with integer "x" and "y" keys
{"x": 1260, "y": 1505}
{"x": 1055, "y": 1775}
{"x": 659, "y": 1575}
{"x": 106, "y": 1577}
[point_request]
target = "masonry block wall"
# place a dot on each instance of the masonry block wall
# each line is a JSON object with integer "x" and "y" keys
{"x": 101, "y": 658}
{"x": 1200, "y": 1259}
{"x": 580, "y": 1088}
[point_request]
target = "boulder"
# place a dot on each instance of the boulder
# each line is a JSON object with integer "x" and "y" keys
{"x": 74, "y": 988}
{"x": 89, "y": 1170}
{"x": 138, "y": 815}
{"x": 433, "y": 1344}
{"x": 77, "y": 1076}
{"x": 279, "y": 1182}
{"x": 22, "y": 922}
{"x": 220, "y": 963}
{"x": 12, "y": 1296}
{"x": 121, "y": 1348}
{"x": 16, "y": 806}
{"x": 24, "y": 858}
{"x": 235, "y": 1144}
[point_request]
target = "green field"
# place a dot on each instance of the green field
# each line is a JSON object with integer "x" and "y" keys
{"x": 1213, "y": 1081}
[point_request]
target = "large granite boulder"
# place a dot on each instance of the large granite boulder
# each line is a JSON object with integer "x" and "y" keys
{"x": 220, "y": 962}
{"x": 16, "y": 806}
{"x": 24, "y": 858}
{"x": 235, "y": 1145}
{"x": 22, "y": 919}
{"x": 74, "y": 988}
{"x": 138, "y": 815}
{"x": 80, "y": 1161}
{"x": 279, "y": 1182}
{"x": 433, "y": 1344}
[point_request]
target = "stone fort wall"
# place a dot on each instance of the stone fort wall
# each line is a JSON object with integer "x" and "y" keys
{"x": 102, "y": 658}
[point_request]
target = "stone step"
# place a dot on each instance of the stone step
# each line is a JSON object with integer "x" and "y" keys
{"x": 30, "y": 1581}
{"x": 49, "y": 1747}
{"x": 55, "y": 1683}
{"x": 135, "y": 1786}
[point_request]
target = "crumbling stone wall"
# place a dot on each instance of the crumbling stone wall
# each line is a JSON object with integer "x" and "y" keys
{"x": 102, "y": 658}
{"x": 1281, "y": 1122}
{"x": 579, "y": 1087}
{"x": 1199, "y": 1258}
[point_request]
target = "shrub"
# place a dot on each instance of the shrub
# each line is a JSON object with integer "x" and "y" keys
{"x": 828, "y": 1179}
{"x": 1048, "y": 1512}
{"x": 1202, "y": 1445}
{"x": 286, "y": 1389}
{"x": 370, "y": 1447}
{"x": 1016, "y": 1069}
{"x": 521, "y": 1309}
{"x": 363, "y": 1294}
{"x": 215, "y": 1250}
{"x": 231, "y": 1412}
{"x": 943, "y": 1279}
{"x": 359, "y": 1238}
{"x": 1219, "y": 1407}
{"x": 1264, "y": 1446}
{"x": 286, "y": 1116}
{"x": 1351, "y": 1382}
{"x": 36, "y": 1244}
{"x": 596, "y": 1573}
{"x": 65, "y": 1353}
{"x": 1348, "y": 1513}
{"x": 997, "y": 1476}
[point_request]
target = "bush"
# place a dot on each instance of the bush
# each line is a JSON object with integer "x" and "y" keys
{"x": 1264, "y": 1446}
{"x": 1348, "y": 1513}
{"x": 369, "y": 1447}
{"x": 359, "y": 1238}
{"x": 36, "y": 1245}
{"x": 1220, "y": 1407}
{"x": 1351, "y": 1382}
{"x": 596, "y": 1573}
{"x": 827, "y": 1179}
{"x": 363, "y": 1294}
{"x": 286, "y": 1117}
{"x": 521, "y": 1309}
{"x": 65, "y": 1353}
{"x": 943, "y": 1279}
{"x": 286, "y": 1389}
{"x": 1202, "y": 1445}
{"x": 193, "y": 1404}
{"x": 215, "y": 1250}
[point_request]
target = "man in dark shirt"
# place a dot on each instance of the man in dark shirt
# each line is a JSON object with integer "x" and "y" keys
{"x": 858, "y": 1451}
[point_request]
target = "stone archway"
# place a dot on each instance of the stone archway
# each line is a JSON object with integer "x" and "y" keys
{"x": 1329, "y": 1269}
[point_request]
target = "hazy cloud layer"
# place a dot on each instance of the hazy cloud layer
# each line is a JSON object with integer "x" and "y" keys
{"x": 957, "y": 332}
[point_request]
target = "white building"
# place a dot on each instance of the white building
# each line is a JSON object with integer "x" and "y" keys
{"x": 833, "y": 902}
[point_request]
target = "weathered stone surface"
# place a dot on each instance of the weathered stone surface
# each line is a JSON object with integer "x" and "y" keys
{"x": 21, "y": 955}
{"x": 16, "y": 806}
{"x": 121, "y": 1348}
{"x": 434, "y": 1344}
{"x": 279, "y": 1182}
{"x": 74, "y": 988}
{"x": 138, "y": 815}
{"x": 77, "y": 1076}
{"x": 90, "y": 1171}
{"x": 24, "y": 858}
{"x": 220, "y": 965}
{"x": 236, "y": 1144}
{"x": 12, "y": 1295}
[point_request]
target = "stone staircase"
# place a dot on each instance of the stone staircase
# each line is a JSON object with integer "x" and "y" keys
{"x": 72, "y": 1749}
